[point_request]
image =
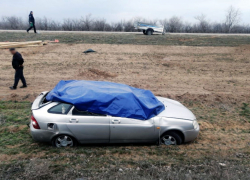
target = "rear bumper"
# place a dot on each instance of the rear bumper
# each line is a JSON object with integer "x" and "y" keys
{"x": 40, "y": 135}
{"x": 191, "y": 135}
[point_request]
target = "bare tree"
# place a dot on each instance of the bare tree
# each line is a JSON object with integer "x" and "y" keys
{"x": 232, "y": 18}
{"x": 187, "y": 27}
{"x": 108, "y": 27}
{"x": 13, "y": 22}
{"x": 87, "y": 22}
{"x": 43, "y": 24}
{"x": 48, "y": 24}
{"x": 174, "y": 24}
{"x": 216, "y": 28}
{"x": 67, "y": 25}
{"x": 129, "y": 26}
{"x": 76, "y": 25}
{"x": 203, "y": 25}
{"x": 117, "y": 26}
{"x": 99, "y": 25}
{"x": 55, "y": 26}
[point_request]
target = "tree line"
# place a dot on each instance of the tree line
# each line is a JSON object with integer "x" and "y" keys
{"x": 231, "y": 24}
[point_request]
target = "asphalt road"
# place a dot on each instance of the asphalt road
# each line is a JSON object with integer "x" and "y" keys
{"x": 103, "y": 32}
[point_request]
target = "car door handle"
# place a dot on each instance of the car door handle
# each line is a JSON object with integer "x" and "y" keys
{"x": 116, "y": 121}
{"x": 73, "y": 120}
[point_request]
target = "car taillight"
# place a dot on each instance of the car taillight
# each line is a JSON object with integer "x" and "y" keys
{"x": 34, "y": 123}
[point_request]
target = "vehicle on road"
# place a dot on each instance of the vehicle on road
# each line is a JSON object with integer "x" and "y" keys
{"x": 63, "y": 125}
{"x": 149, "y": 29}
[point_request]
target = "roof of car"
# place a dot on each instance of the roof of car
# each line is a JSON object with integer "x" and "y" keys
{"x": 108, "y": 98}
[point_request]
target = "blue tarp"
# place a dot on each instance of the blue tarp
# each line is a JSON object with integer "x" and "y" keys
{"x": 107, "y": 98}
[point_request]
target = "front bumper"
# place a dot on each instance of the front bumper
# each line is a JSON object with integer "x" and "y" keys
{"x": 41, "y": 135}
{"x": 191, "y": 135}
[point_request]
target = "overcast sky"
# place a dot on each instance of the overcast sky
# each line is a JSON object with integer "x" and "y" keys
{"x": 116, "y": 10}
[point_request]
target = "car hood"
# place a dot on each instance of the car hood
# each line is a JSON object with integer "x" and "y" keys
{"x": 174, "y": 109}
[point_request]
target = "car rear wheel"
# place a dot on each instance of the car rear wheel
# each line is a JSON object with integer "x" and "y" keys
{"x": 171, "y": 138}
{"x": 63, "y": 141}
{"x": 149, "y": 32}
{"x": 144, "y": 32}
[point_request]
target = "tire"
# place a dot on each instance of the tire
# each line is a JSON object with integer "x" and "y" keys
{"x": 149, "y": 32}
{"x": 63, "y": 141}
{"x": 144, "y": 32}
{"x": 171, "y": 138}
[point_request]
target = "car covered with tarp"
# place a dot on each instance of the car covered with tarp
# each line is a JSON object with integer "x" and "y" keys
{"x": 77, "y": 111}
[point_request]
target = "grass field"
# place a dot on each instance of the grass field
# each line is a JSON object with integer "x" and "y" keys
{"x": 209, "y": 75}
{"x": 139, "y": 39}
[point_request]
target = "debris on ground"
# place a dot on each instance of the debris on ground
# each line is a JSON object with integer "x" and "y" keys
{"x": 222, "y": 164}
{"x": 89, "y": 51}
{"x": 55, "y": 41}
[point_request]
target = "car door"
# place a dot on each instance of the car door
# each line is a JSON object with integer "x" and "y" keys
{"x": 89, "y": 127}
{"x": 125, "y": 130}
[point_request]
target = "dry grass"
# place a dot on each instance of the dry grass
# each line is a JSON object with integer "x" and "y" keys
{"x": 99, "y": 73}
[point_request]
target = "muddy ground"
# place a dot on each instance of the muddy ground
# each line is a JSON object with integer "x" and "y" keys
{"x": 213, "y": 82}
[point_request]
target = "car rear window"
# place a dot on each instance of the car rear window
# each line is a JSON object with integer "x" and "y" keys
{"x": 61, "y": 108}
{"x": 76, "y": 112}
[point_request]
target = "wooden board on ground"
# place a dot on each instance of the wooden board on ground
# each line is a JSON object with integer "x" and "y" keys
{"x": 4, "y": 45}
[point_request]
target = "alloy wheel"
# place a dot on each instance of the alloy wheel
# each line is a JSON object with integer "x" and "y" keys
{"x": 64, "y": 141}
{"x": 168, "y": 140}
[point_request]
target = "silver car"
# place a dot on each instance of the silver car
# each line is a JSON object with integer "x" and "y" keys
{"x": 63, "y": 125}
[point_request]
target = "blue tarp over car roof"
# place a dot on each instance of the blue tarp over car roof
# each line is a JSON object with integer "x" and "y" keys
{"x": 107, "y": 98}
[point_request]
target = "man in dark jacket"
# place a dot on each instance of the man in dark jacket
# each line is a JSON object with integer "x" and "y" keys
{"x": 17, "y": 64}
{"x": 32, "y": 22}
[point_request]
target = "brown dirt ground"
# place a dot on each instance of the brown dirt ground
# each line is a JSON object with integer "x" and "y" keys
{"x": 165, "y": 70}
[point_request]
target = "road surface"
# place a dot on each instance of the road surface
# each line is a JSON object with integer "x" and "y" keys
{"x": 108, "y": 32}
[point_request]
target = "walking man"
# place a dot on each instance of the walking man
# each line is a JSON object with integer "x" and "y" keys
{"x": 17, "y": 64}
{"x": 32, "y": 22}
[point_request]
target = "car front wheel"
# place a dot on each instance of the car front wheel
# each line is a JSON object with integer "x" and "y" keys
{"x": 171, "y": 138}
{"x": 63, "y": 141}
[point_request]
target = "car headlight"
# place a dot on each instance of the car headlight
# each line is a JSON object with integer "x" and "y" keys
{"x": 195, "y": 124}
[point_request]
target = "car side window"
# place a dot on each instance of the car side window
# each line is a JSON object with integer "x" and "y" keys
{"x": 76, "y": 112}
{"x": 61, "y": 108}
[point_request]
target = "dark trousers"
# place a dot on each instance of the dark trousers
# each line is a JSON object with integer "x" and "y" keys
{"x": 31, "y": 28}
{"x": 19, "y": 75}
